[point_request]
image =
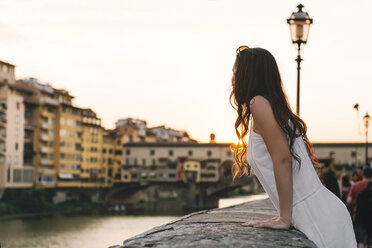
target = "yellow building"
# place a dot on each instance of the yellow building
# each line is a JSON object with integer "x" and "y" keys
{"x": 70, "y": 145}
{"x": 93, "y": 169}
{"x": 108, "y": 155}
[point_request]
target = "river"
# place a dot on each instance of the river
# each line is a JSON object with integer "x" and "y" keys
{"x": 86, "y": 231}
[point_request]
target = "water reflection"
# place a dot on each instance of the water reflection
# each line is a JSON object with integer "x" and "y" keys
{"x": 86, "y": 231}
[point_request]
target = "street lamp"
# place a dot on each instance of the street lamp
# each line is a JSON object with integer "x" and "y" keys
{"x": 299, "y": 25}
{"x": 366, "y": 119}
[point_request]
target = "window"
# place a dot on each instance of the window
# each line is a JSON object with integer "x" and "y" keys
{"x": 127, "y": 152}
{"x": 209, "y": 153}
{"x": 62, "y": 155}
{"x": 52, "y": 121}
{"x": 16, "y": 146}
{"x": 152, "y": 152}
{"x": 17, "y": 119}
{"x": 170, "y": 152}
{"x": 16, "y": 159}
{"x": 190, "y": 152}
{"x": 143, "y": 161}
{"x": 104, "y": 150}
{"x": 5, "y": 68}
{"x": 8, "y": 176}
{"x": 17, "y": 176}
{"x": 51, "y": 156}
{"x": 110, "y": 151}
{"x": 62, "y": 166}
{"x": 118, "y": 152}
{"x": 229, "y": 153}
{"x": 51, "y": 133}
{"x": 18, "y": 105}
{"x": 135, "y": 161}
{"x": 17, "y": 132}
{"x": 62, "y": 132}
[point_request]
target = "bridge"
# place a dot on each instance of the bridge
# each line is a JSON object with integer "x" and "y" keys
{"x": 195, "y": 196}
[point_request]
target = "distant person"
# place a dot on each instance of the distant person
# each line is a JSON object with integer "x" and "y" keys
{"x": 360, "y": 197}
{"x": 281, "y": 155}
{"x": 345, "y": 187}
{"x": 355, "y": 177}
{"x": 359, "y": 170}
{"x": 329, "y": 179}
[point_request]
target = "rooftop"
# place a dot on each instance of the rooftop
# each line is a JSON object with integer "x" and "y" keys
{"x": 175, "y": 144}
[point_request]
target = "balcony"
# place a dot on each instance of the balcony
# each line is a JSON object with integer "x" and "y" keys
{"x": 31, "y": 99}
{"x": 44, "y": 137}
{"x": 44, "y": 125}
{"x": 3, "y": 106}
{"x": 44, "y": 161}
{"x": 48, "y": 100}
{"x": 46, "y": 171}
{"x": 3, "y": 119}
{"x": 44, "y": 149}
{"x": 2, "y": 147}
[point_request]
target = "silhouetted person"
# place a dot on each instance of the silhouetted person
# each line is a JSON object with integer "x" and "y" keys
{"x": 360, "y": 197}
{"x": 329, "y": 179}
{"x": 345, "y": 187}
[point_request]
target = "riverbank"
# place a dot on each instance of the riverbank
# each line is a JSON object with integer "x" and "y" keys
{"x": 38, "y": 203}
{"x": 221, "y": 228}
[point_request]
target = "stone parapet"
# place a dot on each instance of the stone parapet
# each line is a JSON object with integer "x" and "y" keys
{"x": 221, "y": 228}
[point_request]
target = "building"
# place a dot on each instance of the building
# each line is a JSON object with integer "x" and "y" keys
{"x": 94, "y": 171}
{"x": 14, "y": 173}
{"x": 164, "y": 134}
{"x": 168, "y": 162}
{"x": 345, "y": 154}
{"x": 69, "y": 147}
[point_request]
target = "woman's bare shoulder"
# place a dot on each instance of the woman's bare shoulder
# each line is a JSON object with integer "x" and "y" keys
{"x": 259, "y": 104}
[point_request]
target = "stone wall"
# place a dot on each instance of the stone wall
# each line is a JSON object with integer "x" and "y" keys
{"x": 221, "y": 228}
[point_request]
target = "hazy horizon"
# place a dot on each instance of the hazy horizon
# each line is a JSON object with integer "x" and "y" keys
{"x": 169, "y": 62}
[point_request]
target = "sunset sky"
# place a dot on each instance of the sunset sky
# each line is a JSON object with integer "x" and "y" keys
{"x": 169, "y": 61}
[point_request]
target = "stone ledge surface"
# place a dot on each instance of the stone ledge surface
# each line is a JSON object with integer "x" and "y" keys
{"x": 221, "y": 228}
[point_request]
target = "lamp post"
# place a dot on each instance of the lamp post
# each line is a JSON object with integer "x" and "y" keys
{"x": 366, "y": 119}
{"x": 299, "y": 25}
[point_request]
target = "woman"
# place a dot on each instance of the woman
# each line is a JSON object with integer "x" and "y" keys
{"x": 281, "y": 155}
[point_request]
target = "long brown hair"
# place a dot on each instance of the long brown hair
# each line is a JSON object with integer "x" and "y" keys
{"x": 255, "y": 72}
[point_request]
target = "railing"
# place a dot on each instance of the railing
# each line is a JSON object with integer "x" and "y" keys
{"x": 44, "y": 161}
{"x": 44, "y": 149}
{"x": 44, "y": 137}
{"x": 3, "y": 118}
{"x": 49, "y": 101}
{"x": 44, "y": 125}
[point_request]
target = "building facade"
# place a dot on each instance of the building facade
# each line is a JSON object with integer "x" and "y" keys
{"x": 14, "y": 173}
{"x": 345, "y": 154}
{"x": 172, "y": 162}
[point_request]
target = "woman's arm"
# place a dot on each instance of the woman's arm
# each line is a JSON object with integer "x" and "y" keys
{"x": 277, "y": 145}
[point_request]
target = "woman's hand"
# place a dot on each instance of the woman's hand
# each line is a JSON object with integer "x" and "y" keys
{"x": 273, "y": 223}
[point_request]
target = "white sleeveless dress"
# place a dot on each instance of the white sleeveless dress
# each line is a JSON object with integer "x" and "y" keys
{"x": 317, "y": 212}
